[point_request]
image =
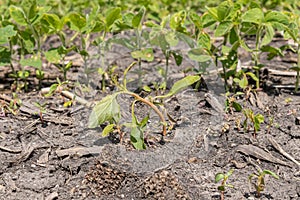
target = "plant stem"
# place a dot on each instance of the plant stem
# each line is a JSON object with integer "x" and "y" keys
{"x": 298, "y": 70}
{"x": 161, "y": 116}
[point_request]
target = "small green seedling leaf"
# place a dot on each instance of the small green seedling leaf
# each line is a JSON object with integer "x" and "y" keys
{"x": 108, "y": 129}
{"x": 271, "y": 173}
{"x": 107, "y": 109}
{"x": 219, "y": 177}
{"x": 53, "y": 88}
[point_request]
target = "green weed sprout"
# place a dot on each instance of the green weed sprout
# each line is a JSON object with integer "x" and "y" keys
{"x": 223, "y": 178}
{"x": 260, "y": 182}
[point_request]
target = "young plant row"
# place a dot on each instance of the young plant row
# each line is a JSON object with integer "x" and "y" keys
{"x": 25, "y": 28}
{"x": 259, "y": 183}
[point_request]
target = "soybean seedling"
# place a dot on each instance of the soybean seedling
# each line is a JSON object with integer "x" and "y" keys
{"x": 256, "y": 120}
{"x": 108, "y": 109}
{"x": 223, "y": 178}
{"x": 260, "y": 182}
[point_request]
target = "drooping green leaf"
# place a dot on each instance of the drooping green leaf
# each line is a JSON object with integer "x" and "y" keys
{"x": 178, "y": 57}
{"x": 253, "y": 76}
{"x": 276, "y": 16}
{"x": 18, "y": 15}
{"x": 107, "y": 109}
{"x": 182, "y": 84}
{"x": 254, "y": 15}
{"x": 108, "y": 129}
{"x": 6, "y": 33}
{"x": 272, "y": 51}
{"x": 269, "y": 34}
{"x": 137, "y": 19}
{"x": 271, "y": 173}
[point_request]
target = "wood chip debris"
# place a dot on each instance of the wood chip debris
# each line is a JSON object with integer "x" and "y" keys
{"x": 254, "y": 151}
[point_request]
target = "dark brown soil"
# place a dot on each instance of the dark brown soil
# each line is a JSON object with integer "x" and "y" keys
{"x": 61, "y": 158}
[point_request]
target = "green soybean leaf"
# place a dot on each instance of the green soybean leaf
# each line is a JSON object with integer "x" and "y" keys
{"x": 111, "y": 16}
{"x": 177, "y": 21}
{"x": 254, "y": 15}
{"x": 78, "y": 22}
{"x": 34, "y": 61}
{"x": 258, "y": 119}
{"x": 144, "y": 54}
{"x": 137, "y": 19}
{"x": 269, "y": 34}
{"x": 204, "y": 41}
{"x": 6, "y": 33}
{"x": 5, "y": 57}
{"x": 182, "y": 84}
{"x": 207, "y": 20}
{"x": 107, "y": 109}
{"x": 243, "y": 83}
{"x": 108, "y": 129}
{"x": 18, "y": 15}
{"x": 53, "y": 21}
{"x": 136, "y": 134}
{"x": 171, "y": 38}
{"x": 276, "y": 16}
{"x": 198, "y": 54}
{"x": 223, "y": 28}
{"x": 219, "y": 177}
{"x": 178, "y": 57}
{"x": 223, "y": 11}
{"x": 213, "y": 12}
{"x": 196, "y": 19}
{"x": 237, "y": 106}
{"x": 53, "y": 56}
{"x": 253, "y": 76}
